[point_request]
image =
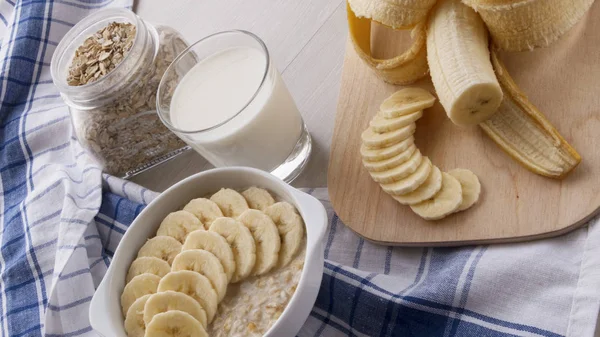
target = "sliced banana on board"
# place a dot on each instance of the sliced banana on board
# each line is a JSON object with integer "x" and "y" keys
{"x": 178, "y": 225}
{"x": 139, "y": 286}
{"x": 427, "y": 190}
{"x": 384, "y": 153}
{"x": 205, "y": 263}
{"x": 258, "y": 198}
{"x": 379, "y": 123}
{"x": 411, "y": 182}
{"x": 231, "y": 203}
{"x": 204, "y": 209}
{"x": 399, "y": 172}
{"x": 291, "y": 230}
{"x": 390, "y": 163}
{"x": 175, "y": 323}
{"x": 471, "y": 188}
{"x": 445, "y": 202}
{"x": 173, "y": 300}
{"x": 266, "y": 235}
{"x": 242, "y": 245}
{"x": 374, "y": 140}
{"x": 405, "y": 102}
{"x": 459, "y": 63}
{"x": 150, "y": 265}
{"x": 214, "y": 243}
{"x": 134, "y": 319}
{"x": 162, "y": 247}
{"x": 194, "y": 285}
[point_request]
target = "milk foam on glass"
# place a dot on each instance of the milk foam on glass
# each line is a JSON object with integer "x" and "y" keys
{"x": 231, "y": 106}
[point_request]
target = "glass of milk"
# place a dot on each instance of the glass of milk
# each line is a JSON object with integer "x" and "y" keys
{"x": 224, "y": 98}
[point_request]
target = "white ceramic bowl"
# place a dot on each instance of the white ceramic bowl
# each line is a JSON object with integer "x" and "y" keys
{"x": 105, "y": 308}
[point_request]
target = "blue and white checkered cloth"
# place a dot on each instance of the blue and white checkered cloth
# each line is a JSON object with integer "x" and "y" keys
{"x": 61, "y": 221}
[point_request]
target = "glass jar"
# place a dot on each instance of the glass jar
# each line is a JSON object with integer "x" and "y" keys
{"x": 114, "y": 117}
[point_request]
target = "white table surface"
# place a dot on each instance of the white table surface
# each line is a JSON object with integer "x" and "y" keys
{"x": 306, "y": 39}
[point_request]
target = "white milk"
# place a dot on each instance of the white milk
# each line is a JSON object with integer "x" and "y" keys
{"x": 216, "y": 89}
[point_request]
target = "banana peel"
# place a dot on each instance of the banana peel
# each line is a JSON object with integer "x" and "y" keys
{"x": 525, "y": 134}
{"x": 404, "y": 69}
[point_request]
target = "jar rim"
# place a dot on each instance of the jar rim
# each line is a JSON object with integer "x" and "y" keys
{"x": 267, "y": 69}
{"x": 82, "y": 29}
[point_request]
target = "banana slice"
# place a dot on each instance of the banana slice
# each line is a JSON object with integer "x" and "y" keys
{"x": 147, "y": 264}
{"x": 231, "y": 203}
{"x": 178, "y": 225}
{"x": 471, "y": 188}
{"x": 258, "y": 198}
{"x": 405, "y": 102}
{"x": 194, "y": 285}
{"x": 172, "y": 300}
{"x": 204, "y": 209}
{"x": 214, "y": 243}
{"x": 139, "y": 286}
{"x": 374, "y": 140}
{"x": 459, "y": 62}
{"x": 380, "y": 124}
{"x": 386, "y": 152}
{"x": 427, "y": 190}
{"x": 162, "y": 247}
{"x": 205, "y": 263}
{"x": 445, "y": 202}
{"x": 412, "y": 182}
{"x": 242, "y": 245}
{"x": 399, "y": 172}
{"x": 265, "y": 234}
{"x": 396, "y": 14}
{"x": 134, "y": 320}
{"x": 378, "y": 166}
{"x": 175, "y": 323}
{"x": 290, "y": 227}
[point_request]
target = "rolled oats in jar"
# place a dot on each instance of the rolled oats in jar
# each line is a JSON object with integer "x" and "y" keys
{"x": 108, "y": 68}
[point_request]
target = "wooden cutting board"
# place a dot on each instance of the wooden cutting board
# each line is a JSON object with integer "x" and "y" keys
{"x": 563, "y": 81}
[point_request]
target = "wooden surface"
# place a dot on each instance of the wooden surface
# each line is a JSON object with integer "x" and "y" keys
{"x": 306, "y": 40}
{"x": 562, "y": 81}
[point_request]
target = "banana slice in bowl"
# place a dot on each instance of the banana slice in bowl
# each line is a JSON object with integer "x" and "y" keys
{"x": 106, "y": 314}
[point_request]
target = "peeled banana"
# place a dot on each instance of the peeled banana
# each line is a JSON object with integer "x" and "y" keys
{"x": 175, "y": 323}
{"x": 525, "y": 134}
{"x": 381, "y": 124}
{"x": 369, "y": 154}
{"x": 374, "y": 140}
{"x": 459, "y": 63}
{"x": 399, "y": 172}
{"x": 406, "y": 101}
{"x": 411, "y": 182}
{"x": 382, "y": 165}
{"x": 471, "y": 188}
{"x": 519, "y": 25}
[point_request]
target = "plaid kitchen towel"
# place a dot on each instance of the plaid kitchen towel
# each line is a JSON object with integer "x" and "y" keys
{"x": 59, "y": 229}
